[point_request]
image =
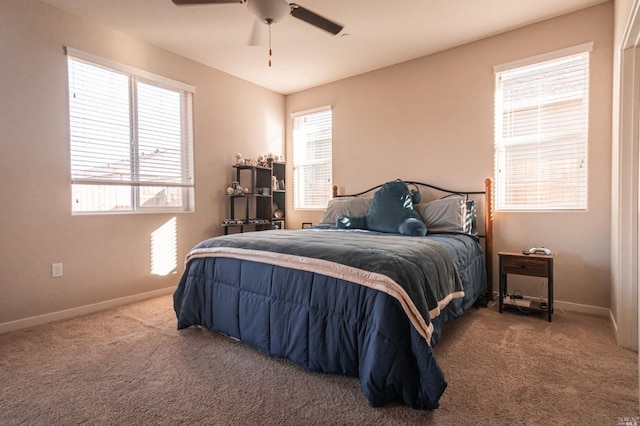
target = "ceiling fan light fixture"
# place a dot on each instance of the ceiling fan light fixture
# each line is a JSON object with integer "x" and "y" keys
{"x": 269, "y": 11}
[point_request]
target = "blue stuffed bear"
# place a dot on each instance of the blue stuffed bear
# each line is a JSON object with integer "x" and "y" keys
{"x": 391, "y": 210}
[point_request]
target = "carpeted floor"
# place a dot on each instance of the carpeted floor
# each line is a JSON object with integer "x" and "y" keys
{"x": 130, "y": 366}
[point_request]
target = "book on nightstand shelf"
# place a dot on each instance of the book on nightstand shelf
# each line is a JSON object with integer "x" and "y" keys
{"x": 516, "y": 302}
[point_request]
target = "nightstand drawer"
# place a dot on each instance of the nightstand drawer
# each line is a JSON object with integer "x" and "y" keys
{"x": 525, "y": 265}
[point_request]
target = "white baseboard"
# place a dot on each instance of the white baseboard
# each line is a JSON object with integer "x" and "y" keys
{"x": 81, "y": 310}
{"x": 613, "y": 322}
{"x": 583, "y": 309}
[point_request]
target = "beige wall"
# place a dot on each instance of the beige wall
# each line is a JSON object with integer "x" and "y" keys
{"x": 431, "y": 120}
{"x": 106, "y": 256}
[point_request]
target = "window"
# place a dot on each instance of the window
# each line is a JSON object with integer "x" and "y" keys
{"x": 131, "y": 138}
{"x": 541, "y": 132}
{"x": 312, "y": 140}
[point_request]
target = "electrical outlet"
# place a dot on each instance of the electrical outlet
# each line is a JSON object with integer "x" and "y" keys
{"x": 56, "y": 270}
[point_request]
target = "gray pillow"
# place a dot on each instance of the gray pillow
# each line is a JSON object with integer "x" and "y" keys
{"x": 450, "y": 214}
{"x": 345, "y": 206}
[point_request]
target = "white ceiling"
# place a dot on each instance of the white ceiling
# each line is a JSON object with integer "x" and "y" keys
{"x": 377, "y": 33}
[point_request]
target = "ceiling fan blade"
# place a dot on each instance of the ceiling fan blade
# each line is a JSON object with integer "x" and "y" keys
{"x": 259, "y": 34}
{"x": 314, "y": 19}
{"x": 184, "y": 2}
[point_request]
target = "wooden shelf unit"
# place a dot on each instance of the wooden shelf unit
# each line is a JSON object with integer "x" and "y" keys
{"x": 254, "y": 210}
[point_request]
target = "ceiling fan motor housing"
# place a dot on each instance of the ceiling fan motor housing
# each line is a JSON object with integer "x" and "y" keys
{"x": 269, "y": 11}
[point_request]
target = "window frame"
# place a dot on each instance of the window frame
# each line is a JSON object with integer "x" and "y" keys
{"x": 535, "y": 141}
{"x": 298, "y": 164}
{"x": 134, "y": 184}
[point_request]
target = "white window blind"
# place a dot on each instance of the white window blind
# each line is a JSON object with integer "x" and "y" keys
{"x": 131, "y": 139}
{"x": 312, "y": 140}
{"x": 541, "y": 133}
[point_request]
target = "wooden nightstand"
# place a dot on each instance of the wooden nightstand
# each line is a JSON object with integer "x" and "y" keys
{"x": 535, "y": 265}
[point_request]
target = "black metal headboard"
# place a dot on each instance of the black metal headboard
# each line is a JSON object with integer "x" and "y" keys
{"x": 409, "y": 182}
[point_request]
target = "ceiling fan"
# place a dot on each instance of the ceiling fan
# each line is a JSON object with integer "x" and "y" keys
{"x": 271, "y": 11}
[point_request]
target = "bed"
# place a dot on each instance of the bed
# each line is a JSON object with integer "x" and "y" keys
{"x": 353, "y": 302}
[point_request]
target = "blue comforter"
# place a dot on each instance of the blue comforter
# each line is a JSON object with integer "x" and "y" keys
{"x": 359, "y": 304}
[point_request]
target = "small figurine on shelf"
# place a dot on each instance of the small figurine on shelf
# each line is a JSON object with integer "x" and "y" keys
{"x": 270, "y": 159}
{"x": 232, "y": 190}
{"x": 277, "y": 213}
{"x": 262, "y": 161}
{"x": 274, "y": 183}
{"x": 239, "y": 160}
{"x": 235, "y": 189}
